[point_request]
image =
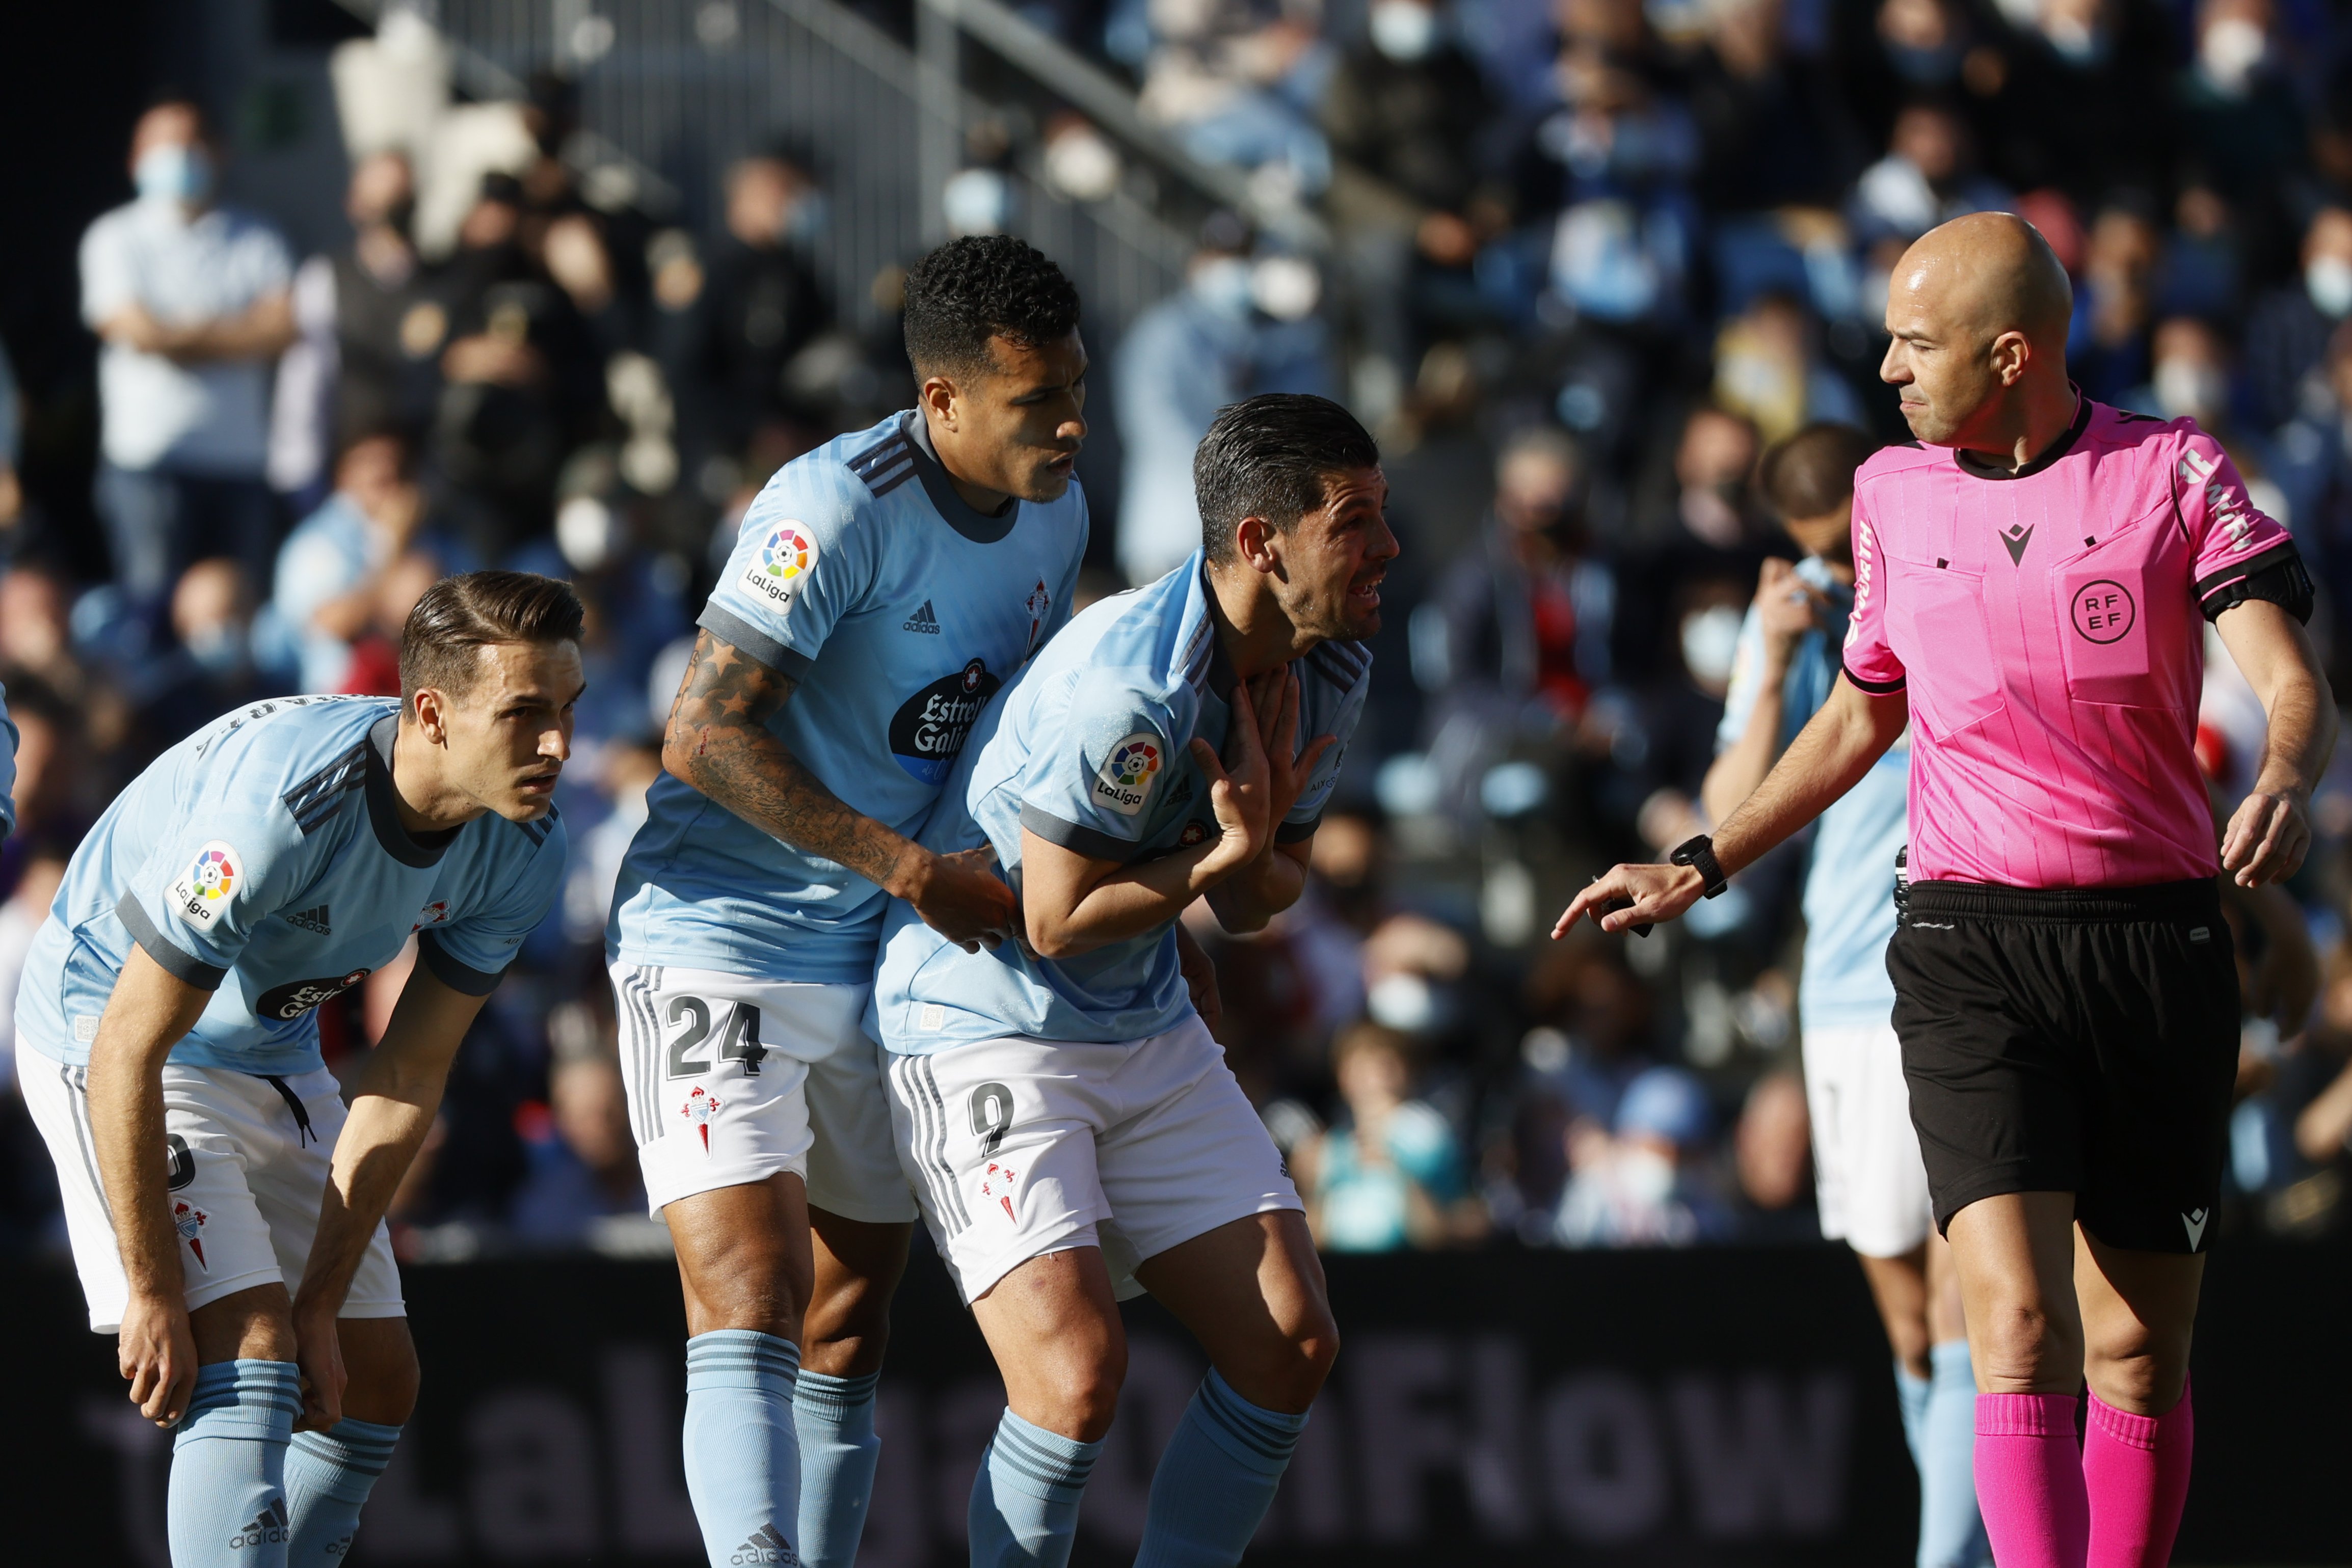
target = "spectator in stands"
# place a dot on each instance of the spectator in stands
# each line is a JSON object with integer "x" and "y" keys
{"x": 212, "y": 668}
{"x": 2287, "y": 333}
{"x": 580, "y": 1159}
{"x": 762, "y": 302}
{"x": 192, "y": 302}
{"x": 12, "y": 446}
{"x": 1389, "y": 1174}
{"x": 1927, "y": 177}
{"x": 329, "y": 570}
{"x": 2238, "y": 113}
{"x": 1773, "y": 1151}
{"x": 1772, "y": 127}
{"x": 1640, "y": 1186}
{"x": 2115, "y": 303}
{"x": 1213, "y": 342}
{"x": 1703, "y": 528}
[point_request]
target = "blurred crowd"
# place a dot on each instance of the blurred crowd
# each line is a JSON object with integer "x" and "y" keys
{"x": 1590, "y": 259}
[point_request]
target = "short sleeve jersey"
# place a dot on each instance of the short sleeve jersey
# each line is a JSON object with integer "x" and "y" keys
{"x": 1089, "y": 749}
{"x": 1850, "y": 882}
{"x": 263, "y": 859}
{"x": 2045, "y": 625}
{"x": 899, "y": 611}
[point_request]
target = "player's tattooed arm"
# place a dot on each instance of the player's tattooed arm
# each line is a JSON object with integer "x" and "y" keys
{"x": 719, "y": 741}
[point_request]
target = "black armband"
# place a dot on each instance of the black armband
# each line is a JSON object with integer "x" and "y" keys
{"x": 2277, "y": 576}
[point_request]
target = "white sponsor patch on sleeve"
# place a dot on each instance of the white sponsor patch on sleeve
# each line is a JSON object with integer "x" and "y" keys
{"x": 780, "y": 568}
{"x": 204, "y": 890}
{"x": 1124, "y": 781}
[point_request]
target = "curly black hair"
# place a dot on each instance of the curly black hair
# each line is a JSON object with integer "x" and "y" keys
{"x": 982, "y": 287}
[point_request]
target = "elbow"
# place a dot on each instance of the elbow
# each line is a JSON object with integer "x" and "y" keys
{"x": 1052, "y": 938}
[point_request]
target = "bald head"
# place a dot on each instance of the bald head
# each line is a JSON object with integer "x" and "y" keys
{"x": 1977, "y": 310}
{"x": 1991, "y": 272}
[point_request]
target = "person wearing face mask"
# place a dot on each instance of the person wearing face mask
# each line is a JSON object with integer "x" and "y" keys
{"x": 1698, "y": 528}
{"x": 215, "y": 668}
{"x": 2238, "y": 112}
{"x": 1222, "y": 338}
{"x": 191, "y": 301}
{"x": 2288, "y": 330}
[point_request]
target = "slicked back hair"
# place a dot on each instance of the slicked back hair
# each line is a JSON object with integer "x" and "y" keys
{"x": 459, "y": 614}
{"x": 1810, "y": 474}
{"x": 982, "y": 287}
{"x": 1268, "y": 457}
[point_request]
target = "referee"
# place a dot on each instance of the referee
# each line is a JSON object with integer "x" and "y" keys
{"x": 2028, "y": 579}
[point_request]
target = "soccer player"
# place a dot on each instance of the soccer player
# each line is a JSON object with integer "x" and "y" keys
{"x": 2027, "y": 585}
{"x": 262, "y": 866}
{"x": 884, "y": 586}
{"x": 1071, "y": 1125}
{"x": 1872, "y": 1186}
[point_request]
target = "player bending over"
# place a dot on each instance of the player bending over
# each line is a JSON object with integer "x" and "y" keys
{"x": 1872, "y": 1186}
{"x": 264, "y": 865}
{"x": 2027, "y": 586}
{"x": 884, "y": 586}
{"x": 1073, "y": 1130}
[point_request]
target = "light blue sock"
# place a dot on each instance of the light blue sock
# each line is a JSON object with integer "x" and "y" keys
{"x": 833, "y": 1418}
{"x": 1024, "y": 1500}
{"x": 1911, "y": 1394}
{"x": 1216, "y": 1479}
{"x": 328, "y": 1475}
{"x": 227, "y": 1499}
{"x": 1951, "y": 1534}
{"x": 742, "y": 1466}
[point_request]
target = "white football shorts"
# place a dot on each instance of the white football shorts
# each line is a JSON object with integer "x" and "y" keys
{"x": 247, "y": 1172}
{"x": 1019, "y": 1148}
{"x": 731, "y": 1080}
{"x": 1868, "y": 1177}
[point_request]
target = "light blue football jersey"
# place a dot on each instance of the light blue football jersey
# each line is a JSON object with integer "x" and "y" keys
{"x": 1849, "y": 898}
{"x": 898, "y": 609}
{"x": 1087, "y": 749}
{"x": 263, "y": 859}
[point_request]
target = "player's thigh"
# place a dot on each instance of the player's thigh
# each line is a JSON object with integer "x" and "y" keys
{"x": 2014, "y": 1253}
{"x": 1872, "y": 1181}
{"x": 215, "y": 1127}
{"x": 859, "y": 1266}
{"x": 252, "y": 1324}
{"x": 2139, "y": 1312}
{"x": 853, "y": 1168}
{"x": 1052, "y": 1323}
{"x": 999, "y": 1139}
{"x": 716, "y": 1075}
{"x": 290, "y": 1185}
{"x": 380, "y": 1369}
{"x": 743, "y": 1255}
{"x": 1189, "y": 1154}
{"x": 1252, "y": 1293}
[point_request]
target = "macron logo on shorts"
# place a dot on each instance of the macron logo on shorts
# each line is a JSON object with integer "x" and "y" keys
{"x": 2194, "y": 1223}
{"x": 205, "y": 888}
{"x": 1124, "y": 783}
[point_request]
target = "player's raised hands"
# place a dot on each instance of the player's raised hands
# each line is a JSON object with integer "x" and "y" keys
{"x": 1289, "y": 768}
{"x": 960, "y": 896}
{"x": 157, "y": 1352}
{"x": 1627, "y": 896}
{"x": 1240, "y": 787}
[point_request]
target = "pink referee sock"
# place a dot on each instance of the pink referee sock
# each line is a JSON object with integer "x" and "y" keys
{"x": 2030, "y": 1480}
{"x": 2136, "y": 1470}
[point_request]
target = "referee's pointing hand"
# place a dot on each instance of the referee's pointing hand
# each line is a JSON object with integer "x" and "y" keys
{"x": 1629, "y": 896}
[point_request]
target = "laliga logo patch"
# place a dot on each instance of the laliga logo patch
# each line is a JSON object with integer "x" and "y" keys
{"x": 783, "y": 564}
{"x": 699, "y": 1107}
{"x": 205, "y": 889}
{"x": 1124, "y": 784}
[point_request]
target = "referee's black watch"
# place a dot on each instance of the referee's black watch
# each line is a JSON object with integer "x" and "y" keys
{"x": 1698, "y": 853}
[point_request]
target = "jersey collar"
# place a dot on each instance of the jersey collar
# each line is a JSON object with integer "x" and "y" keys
{"x": 383, "y": 813}
{"x": 962, "y": 514}
{"x": 2049, "y": 454}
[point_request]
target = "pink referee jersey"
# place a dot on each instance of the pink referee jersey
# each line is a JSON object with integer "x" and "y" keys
{"x": 2045, "y": 625}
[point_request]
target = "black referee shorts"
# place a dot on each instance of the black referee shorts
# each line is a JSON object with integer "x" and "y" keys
{"x": 2065, "y": 1039}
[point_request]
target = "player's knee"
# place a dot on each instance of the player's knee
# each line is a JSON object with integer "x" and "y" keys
{"x": 1079, "y": 1397}
{"x": 2137, "y": 1367}
{"x": 2020, "y": 1345}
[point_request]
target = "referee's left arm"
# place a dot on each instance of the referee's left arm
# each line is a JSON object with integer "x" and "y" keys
{"x": 2270, "y": 829}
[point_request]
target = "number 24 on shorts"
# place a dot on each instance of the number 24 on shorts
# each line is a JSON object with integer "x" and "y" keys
{"x": 738, "y": 1037}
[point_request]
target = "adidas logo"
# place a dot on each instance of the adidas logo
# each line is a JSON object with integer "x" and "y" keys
{"x": 311, "y": 920}
{"x": 268, "y": 1527}
{"x": 768, "y": 1546}
{"x": 922, "y": 620}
